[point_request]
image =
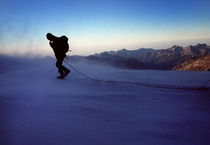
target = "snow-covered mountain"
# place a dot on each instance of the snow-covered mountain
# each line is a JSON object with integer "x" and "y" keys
{"x": 151, "y": 58}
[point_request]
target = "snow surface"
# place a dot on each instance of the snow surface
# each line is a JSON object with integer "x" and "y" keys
{"x": 38, "y": 109}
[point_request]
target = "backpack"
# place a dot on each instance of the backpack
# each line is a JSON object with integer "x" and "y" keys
{"x": 65, "y": 43}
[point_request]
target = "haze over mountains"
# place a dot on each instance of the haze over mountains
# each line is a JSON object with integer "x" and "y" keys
{"x": 142, "y": 58}
{"x": 196, "y": 58}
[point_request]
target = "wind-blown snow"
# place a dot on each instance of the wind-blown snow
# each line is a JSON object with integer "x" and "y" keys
{"x": 38, "y": 109}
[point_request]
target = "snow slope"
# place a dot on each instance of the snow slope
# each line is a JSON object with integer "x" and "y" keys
{"x": 38, "y": 109}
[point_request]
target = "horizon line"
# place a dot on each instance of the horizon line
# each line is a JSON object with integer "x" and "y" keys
{"x": 26, "y": 55}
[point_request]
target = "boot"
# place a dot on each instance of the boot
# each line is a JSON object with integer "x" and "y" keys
{"x": 61, "y": 74}
{"x": 60, "y": 77}
{"x": 66, "y": 72}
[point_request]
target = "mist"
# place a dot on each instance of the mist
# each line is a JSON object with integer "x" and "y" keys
{"x": 38, "y": 47}
{"x": 37, "y": 108}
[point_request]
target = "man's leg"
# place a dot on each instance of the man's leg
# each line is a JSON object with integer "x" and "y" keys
{"x": 60, "y": 67}
{"x": 66, "y": 70}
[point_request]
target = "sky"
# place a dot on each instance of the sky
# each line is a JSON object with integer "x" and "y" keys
{"x": 101, "y": 25}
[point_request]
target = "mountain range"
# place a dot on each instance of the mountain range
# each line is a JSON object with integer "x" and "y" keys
{"x": 148, "y": 58}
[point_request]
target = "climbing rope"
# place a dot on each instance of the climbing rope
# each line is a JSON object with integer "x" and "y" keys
{"x": 142, "y": 84}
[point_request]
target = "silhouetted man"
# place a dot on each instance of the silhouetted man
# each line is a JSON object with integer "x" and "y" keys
{"x": 60, "y": 47}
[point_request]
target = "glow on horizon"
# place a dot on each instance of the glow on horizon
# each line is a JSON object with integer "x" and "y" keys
{"x": 96, "y": 25}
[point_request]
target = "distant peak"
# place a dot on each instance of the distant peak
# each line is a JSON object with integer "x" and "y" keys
{"x": 123, "y": 49}
{"x": 198, "y": 45}
{"x": 201, "y": 45}
{"x": 175, "y": 46}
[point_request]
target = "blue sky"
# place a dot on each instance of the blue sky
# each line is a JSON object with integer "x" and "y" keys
{"x": 99, "y": 25}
